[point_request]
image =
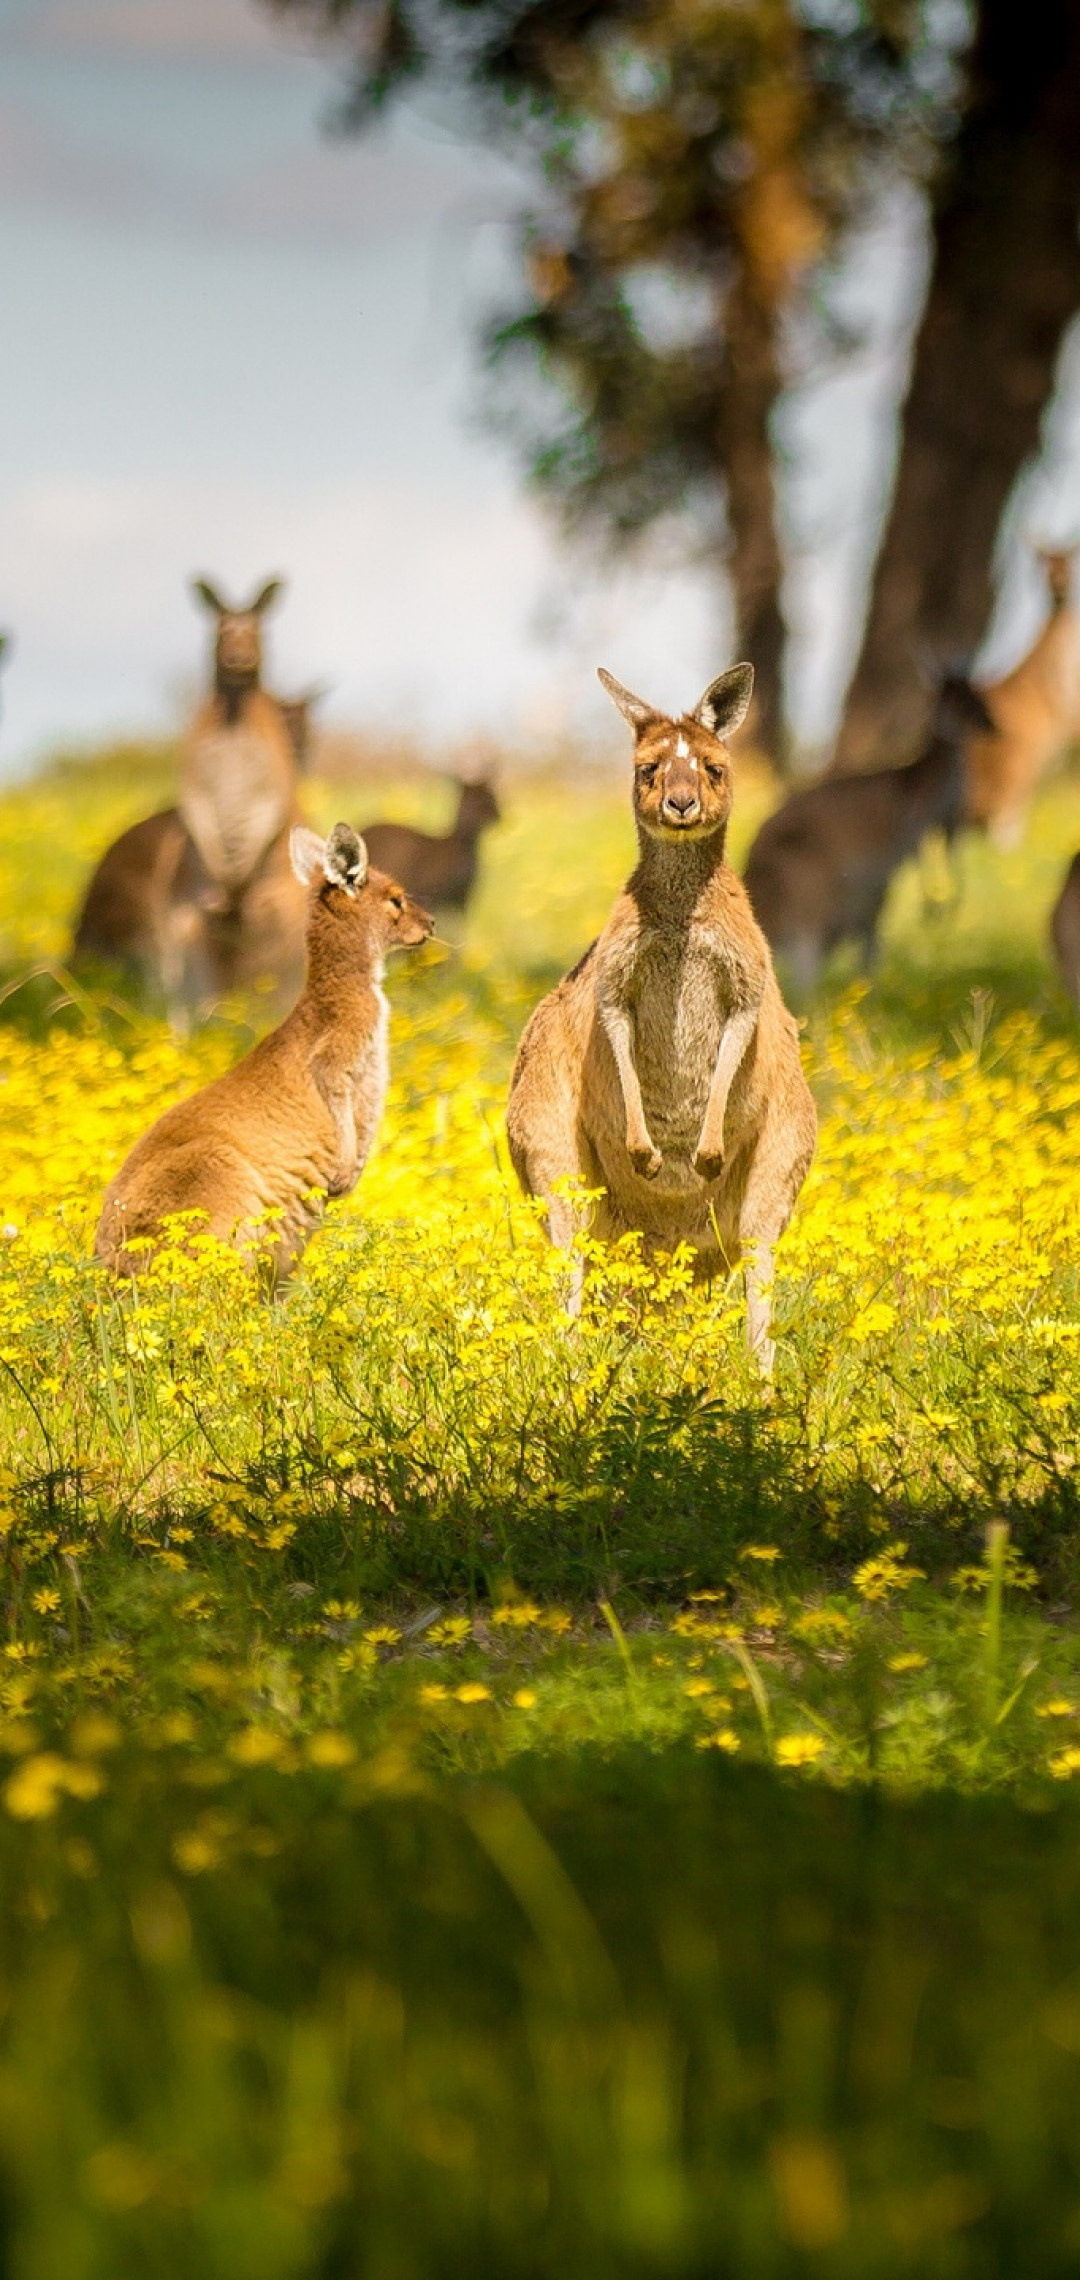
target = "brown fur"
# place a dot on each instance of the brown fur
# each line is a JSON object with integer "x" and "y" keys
{"x": 201, "y": 898}
{"x": 665, "y": 1069}
{"x": 821, "y": 865}
{"x": 295, "y": 1120}
{"x": 1065, "y": 930}
{"x": 441, "y": 871}
{"x": 1035, "y": 711}
{"x": 298, "y": 716}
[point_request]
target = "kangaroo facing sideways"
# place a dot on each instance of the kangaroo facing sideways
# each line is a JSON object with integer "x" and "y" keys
{"x": 1065, "y": 930}
{"x": 821, "y": 865}
{"x": 443, "y": 870}
{"x": 665, "y": 1068}
{"x": 294, "y": 1121}
{"x": 1034, "y": 714}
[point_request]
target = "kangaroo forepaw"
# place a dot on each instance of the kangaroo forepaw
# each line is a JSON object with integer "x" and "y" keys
{"x": 709, "y": 1163}
{"x": 645, "y": 1159}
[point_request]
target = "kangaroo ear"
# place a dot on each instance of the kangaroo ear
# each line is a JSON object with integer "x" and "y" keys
{"x": 634, "y": 709}
{"x": 726, "y": 701}
{"x": 205, "y": 592}
{"x": 307, "y": 853}
{"x": 265, "y": 596}
{"x": 346, "y": 858}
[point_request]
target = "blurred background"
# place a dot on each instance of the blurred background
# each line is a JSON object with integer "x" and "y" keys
{"x": 526, "y": 334}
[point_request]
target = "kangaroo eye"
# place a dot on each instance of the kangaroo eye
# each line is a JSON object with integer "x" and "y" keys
{"x": 648, "y": 771}
{"x": 397, "y": 902}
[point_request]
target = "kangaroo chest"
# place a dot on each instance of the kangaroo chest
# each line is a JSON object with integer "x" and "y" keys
{"x": 682, "y": 994}
{"x": 234, "y": 801}
{"x": 357, "y": 1096}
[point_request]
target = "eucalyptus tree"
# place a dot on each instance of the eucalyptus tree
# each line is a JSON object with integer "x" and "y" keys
{"x": 696, "y": 170}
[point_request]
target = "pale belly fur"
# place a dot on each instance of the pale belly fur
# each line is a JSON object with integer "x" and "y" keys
{"x": 679, "y": 1015}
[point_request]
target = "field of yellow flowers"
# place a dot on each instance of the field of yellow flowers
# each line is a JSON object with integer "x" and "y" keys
{"x": 403, "y": 1545}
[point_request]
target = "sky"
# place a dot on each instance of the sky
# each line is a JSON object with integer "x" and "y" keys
{"x": 235, "y": 345}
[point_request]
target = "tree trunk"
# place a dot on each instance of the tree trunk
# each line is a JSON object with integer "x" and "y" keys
{"x": 752, "y": 387}
{"x": 1004, "y": 284}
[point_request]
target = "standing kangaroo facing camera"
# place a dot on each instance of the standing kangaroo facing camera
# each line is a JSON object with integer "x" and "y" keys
{"x": 257, "y": 1152}
{"x": 665, "y": 1068}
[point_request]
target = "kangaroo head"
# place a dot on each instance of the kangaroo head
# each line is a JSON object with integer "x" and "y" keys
{"x": 682, "y": 772}
{"x": 238, "y": 635}
{"x": 345, "y": 884}
{"x": 296, "y": 713}
{"x": 477, "y": 806}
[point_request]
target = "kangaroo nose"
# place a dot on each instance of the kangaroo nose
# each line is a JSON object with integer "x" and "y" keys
{"x": 681, "y": 803}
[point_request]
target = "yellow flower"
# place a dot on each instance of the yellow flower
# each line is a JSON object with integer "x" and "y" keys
{"x": 524, "y": 1699}
{"x": 256, "y": 1745}
{"x": 194, "y": 1853}
{"x": 1065, "y": 1764}
{"x": 878, "y": 1578}
{"x": 45, "y": 1601}
{"x": 472, "y": 1691}
{"x": 1056, "y": 1707}
{"x": 907, "y": 1662}
{"x": 35, "y": 1788}
{"x": 452, "y": 1631}
{"x": 798, "y": 1749}
{"x": 330, "y": 1748}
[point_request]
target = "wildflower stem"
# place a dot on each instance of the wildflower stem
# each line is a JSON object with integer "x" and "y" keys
{"x": 997, "y": 1538}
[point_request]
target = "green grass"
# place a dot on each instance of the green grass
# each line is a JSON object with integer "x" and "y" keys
{"x": 536, "y": 1837}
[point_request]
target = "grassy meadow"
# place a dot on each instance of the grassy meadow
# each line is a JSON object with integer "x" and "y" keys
{"x": 480, "y": 1796}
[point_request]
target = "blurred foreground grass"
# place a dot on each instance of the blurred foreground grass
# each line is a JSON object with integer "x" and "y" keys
{"x": 479, "y": 1798}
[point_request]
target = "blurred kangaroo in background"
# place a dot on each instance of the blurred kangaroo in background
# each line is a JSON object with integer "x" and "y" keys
{"x": 297, "y": 712}
{"x": 1034, "y": 715}
{"x": 665, "y": 1068}
{"x": 1065, "y": 930}
{"x": 820, "y": 867}
{"x": 293, "y": 1123}
{"x": 441, "y": 871}
{"x": 201, "y": 898}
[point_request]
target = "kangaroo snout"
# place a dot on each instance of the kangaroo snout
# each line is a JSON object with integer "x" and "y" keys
{"x": 681, "y": 804}
{"x": 415, "y": 926}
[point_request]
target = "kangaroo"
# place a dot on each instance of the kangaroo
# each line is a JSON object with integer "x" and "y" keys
{"x": 443, "y": 871}
{"x": 1035, "y": 714}
{"x": 201, "y": 898}
{"x": 293, "y": 1123}
{"x": 296, "y": 712}
{"x": 665, "y": 1068}
{"x": 820, "y": 867}
{"x": 1065, "y": 930}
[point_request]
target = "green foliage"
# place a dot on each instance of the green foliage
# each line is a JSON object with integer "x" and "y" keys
{"x": 482, "y": 1795}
